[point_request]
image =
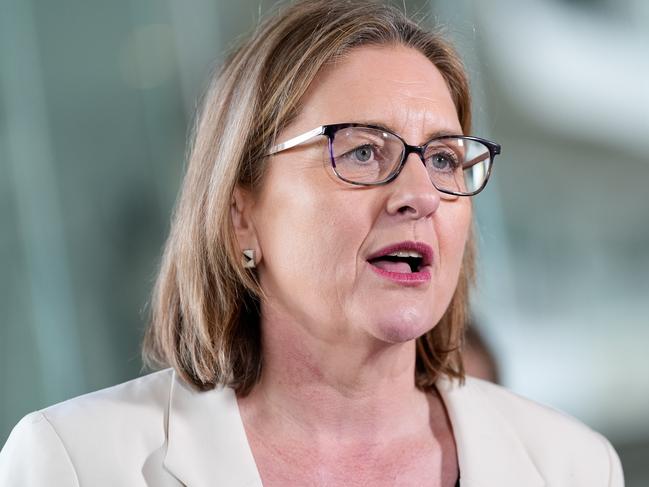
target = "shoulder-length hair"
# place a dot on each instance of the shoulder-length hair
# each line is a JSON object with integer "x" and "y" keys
{"x": 205, "y": 319}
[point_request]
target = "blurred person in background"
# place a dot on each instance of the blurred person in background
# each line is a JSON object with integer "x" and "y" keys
{"x": 313, "y": 293}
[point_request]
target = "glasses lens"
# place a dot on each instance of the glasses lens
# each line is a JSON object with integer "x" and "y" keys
{"x": 458, "y": 165}
{"x": 365, "y": 155}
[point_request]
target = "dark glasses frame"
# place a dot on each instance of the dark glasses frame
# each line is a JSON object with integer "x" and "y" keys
{"x": 331, "y": 129}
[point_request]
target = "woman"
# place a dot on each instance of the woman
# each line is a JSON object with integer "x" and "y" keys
{"x": 311, "y": 300}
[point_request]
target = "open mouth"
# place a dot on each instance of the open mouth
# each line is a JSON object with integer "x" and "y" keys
{"x": 404, "y": 262}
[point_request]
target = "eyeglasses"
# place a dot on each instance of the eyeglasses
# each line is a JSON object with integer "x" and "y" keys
{"x": 368, "y": 155}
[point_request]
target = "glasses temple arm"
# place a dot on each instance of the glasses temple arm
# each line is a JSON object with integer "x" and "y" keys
{"x": 300, "y": 139}
{"x": 477, "y": 160}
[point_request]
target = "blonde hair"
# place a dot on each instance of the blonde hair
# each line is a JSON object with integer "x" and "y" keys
{"x": 205, "y": 319}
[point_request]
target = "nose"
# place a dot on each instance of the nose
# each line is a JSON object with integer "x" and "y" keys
{"x": 413, "y": 193}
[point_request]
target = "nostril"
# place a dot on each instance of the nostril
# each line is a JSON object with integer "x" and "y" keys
{"x": 407, "y": 209}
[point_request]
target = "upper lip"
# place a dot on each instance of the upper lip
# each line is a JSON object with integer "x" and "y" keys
{"x": 425, "y": 250}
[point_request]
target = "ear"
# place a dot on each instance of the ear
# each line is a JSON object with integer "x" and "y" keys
{"x": 244, "y": 227}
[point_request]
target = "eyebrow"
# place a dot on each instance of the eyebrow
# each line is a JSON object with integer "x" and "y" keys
{"x": 429, "y": 136}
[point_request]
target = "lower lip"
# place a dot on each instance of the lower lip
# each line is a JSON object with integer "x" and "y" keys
{"x": 405, "y": 278}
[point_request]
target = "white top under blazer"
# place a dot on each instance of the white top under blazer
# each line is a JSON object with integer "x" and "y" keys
{"x": 157, "y": 431}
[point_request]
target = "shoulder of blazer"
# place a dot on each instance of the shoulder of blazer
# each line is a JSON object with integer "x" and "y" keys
{"x": 535, "y": 421}
{"x": 135, "y": 402}
{"x": 155, "y": 428}
{"x": 34, "y": 455}
{"x": 113, "y": 435}
{"x": 489, "y": 419}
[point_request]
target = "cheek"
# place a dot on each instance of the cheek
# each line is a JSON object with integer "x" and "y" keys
{"x": 308, "y": 235}
{"x": 453, "y": 231}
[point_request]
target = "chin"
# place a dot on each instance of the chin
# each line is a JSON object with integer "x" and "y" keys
{"x": 403, "y": 327}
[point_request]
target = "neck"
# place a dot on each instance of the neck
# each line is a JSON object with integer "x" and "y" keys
{"x": 356, "y": 389}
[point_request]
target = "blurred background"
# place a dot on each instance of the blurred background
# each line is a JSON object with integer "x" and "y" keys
{"x": 95, "y": 103}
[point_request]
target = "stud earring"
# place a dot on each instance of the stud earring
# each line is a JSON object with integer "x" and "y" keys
{"x": 249, "y": 259}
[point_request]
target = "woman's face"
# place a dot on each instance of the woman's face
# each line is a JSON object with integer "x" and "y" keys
{"x": 315, "y": 232}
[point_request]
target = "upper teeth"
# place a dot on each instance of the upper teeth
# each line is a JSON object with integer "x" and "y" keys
{"x": 406, "y": 253}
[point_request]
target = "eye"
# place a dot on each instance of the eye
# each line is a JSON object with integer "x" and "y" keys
{"x": 363, "y": 153}
{"x": 444, "y": 161}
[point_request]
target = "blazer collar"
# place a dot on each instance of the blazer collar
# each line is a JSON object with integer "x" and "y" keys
{"x": 488, "y": 448}
{"x": 206, "y": 441}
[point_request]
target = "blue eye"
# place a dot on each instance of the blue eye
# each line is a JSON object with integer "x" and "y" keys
{"x": 363, "y": 153}
{"x": 443, "y": 161}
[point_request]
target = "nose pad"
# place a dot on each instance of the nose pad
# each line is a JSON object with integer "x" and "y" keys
{"x": 414, "y": 193}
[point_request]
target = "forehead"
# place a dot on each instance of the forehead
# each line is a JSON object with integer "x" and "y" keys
{"x": 394, "y": 85}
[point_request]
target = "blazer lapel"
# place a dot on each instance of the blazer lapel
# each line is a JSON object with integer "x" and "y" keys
{"x": 207, "y": 444}
{"x": 489, "y": 450}
{"x": 206, "y": 441}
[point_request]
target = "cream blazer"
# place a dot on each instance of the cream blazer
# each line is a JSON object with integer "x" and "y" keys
{"x": 157, "y": 431}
